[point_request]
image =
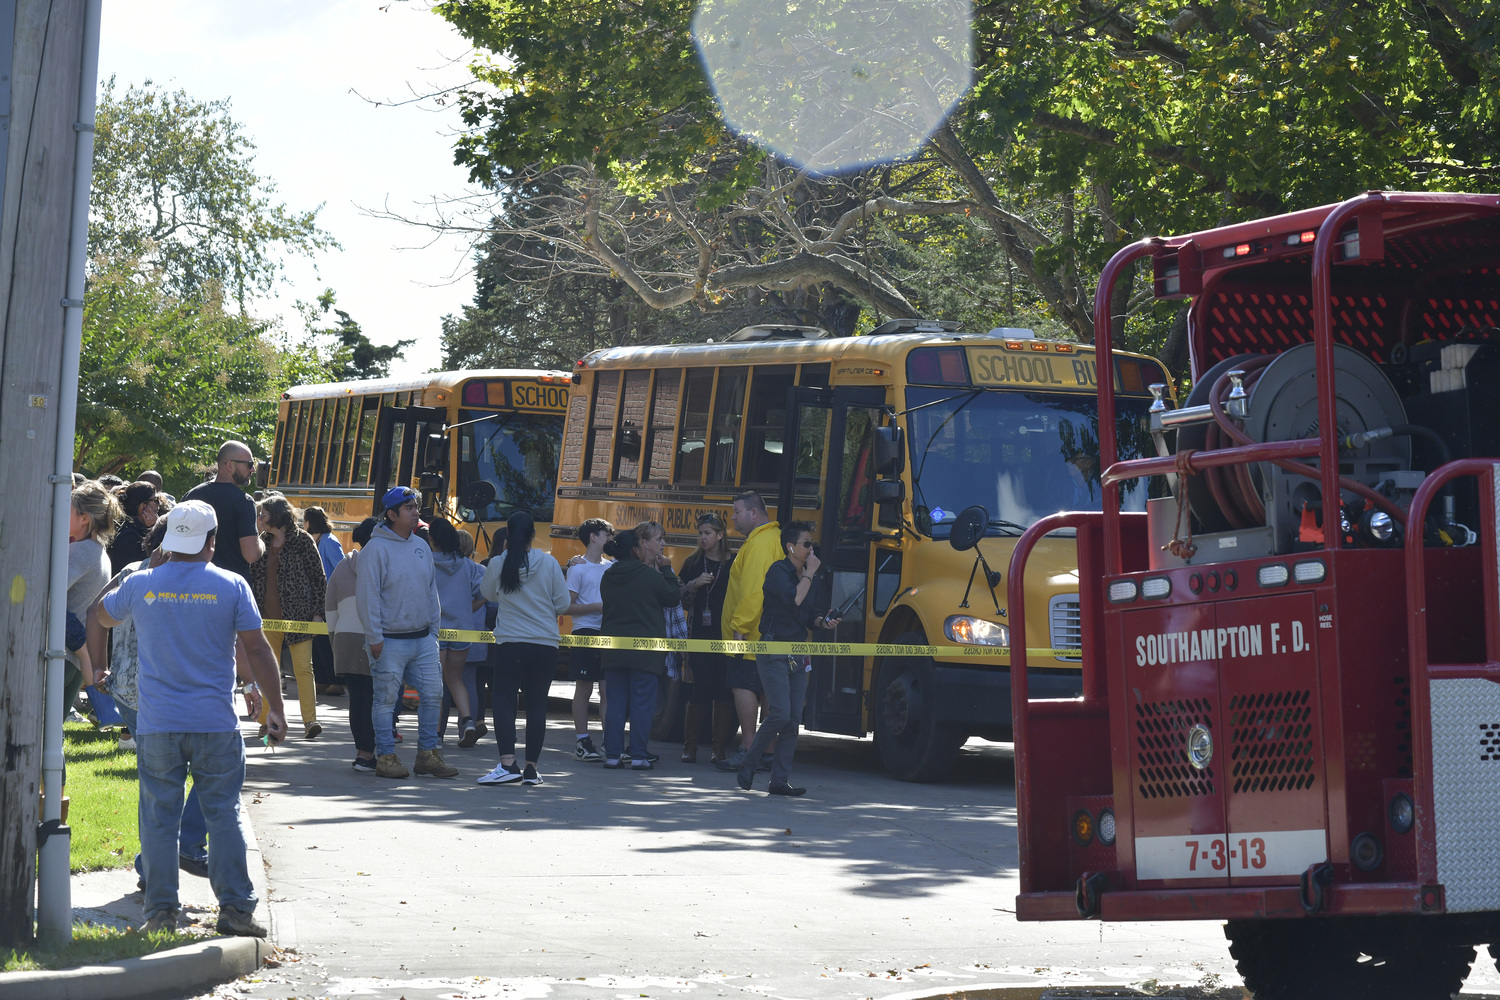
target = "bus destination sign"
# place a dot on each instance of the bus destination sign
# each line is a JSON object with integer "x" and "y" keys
{"x": 1015, "y": 370}
{"x": 516, "y": 395}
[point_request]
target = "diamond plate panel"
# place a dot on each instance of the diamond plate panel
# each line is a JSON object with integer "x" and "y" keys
{"x": 1466, "y": 791}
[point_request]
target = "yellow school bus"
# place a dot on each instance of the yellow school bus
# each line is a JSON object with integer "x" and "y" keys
{"x": 477, "y": 444}
{"x": 885, "y": 443}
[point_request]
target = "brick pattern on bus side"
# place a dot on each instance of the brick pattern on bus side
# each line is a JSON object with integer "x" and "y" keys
{"x": 663, "y": 421}
{"x": 572, "y": 454}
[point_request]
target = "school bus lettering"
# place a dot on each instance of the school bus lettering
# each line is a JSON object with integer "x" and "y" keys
{"x": 1002, "y": 368}
{"x": 528, "y": 396}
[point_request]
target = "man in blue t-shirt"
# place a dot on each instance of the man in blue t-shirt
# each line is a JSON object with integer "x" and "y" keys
{"x": 188, "y": 613}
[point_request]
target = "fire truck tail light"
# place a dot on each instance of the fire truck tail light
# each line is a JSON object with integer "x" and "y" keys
{"x": 1273, "y": 575}
{"x": 1122, "y": 591}
{"x": 1156, "y": 588}
{"x": 1083, "y": 828}
{"x": 1310, "y": 571}
{"x": 1365, "y": 852}
{"x": 1107, "y": 827}
{"x": 1402, "y": 813}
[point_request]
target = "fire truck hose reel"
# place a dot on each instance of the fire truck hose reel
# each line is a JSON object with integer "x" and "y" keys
{"x": 1089, "y": 892}
{"x": 1314, "y": 890}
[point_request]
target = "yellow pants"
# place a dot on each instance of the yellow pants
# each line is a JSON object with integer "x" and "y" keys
{"x": 302, "y": 669}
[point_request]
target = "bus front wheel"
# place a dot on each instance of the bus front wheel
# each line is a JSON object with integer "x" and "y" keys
{"x": 912, "y": 744}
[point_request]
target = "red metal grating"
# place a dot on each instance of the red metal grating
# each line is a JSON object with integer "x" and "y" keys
{"x": 1271, "y": 741}
{"x": 1161, "y": 748}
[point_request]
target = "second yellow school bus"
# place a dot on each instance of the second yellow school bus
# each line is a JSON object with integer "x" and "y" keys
{"x": 477, "y": 444}
{"x": 883, "y": 442}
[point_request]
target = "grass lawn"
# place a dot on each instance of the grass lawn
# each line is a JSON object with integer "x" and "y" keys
{"x": 102, "y": 797}
{"x": 93, "y": 945}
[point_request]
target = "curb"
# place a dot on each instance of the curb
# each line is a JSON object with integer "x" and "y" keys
{"x": 164, "y": 973}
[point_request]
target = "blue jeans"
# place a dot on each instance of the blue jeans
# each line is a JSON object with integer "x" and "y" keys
{"x": 401, "y": 661}
{"x": 785, "y": 681}
{"x": 629, "y": 693}
{"x": 218, "y": 765}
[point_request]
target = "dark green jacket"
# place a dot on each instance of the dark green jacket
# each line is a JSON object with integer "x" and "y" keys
{"x": 634, "y": 595}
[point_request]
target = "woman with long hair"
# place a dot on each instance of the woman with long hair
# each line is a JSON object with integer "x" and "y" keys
{"x": 351, "y": 662}
{"x": 705, "y": 580}
{"x": 289, "y": 585}
{"x": 530, "y": 591}
{"x": 95, "y": 514}
{"x": 634, "y": 591}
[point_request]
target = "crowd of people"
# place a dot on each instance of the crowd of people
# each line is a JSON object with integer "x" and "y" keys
{"x": 174, "y": 602}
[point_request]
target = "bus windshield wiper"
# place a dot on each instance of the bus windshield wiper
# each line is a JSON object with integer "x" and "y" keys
{"x": 1000, "y": 522}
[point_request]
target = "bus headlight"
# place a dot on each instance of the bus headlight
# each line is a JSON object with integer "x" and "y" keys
{"x": 973, "y": 631}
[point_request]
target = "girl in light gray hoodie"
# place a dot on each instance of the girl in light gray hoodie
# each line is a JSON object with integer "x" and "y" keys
{"x": 531, "y": 592}
{"x": 458, "y": 581}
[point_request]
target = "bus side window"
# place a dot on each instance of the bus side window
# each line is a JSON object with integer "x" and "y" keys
{"x": 573, "y": 438}
{"x": 766, "y": 427}
{"x": 398, "y": 431}
{"x": 663, "y": 420}
{"x": 284, "y": 435}
{"x": 814, "y": 375}
{"x": 692, "y": 439}
{"x": 308, "y": 414}
{"x": 729, "y": 411}
{"x": 369, "y": 411}
{"x": 632, "y": 422}
{"x": 602, "y": 429}
{"x": 338, "y": 475}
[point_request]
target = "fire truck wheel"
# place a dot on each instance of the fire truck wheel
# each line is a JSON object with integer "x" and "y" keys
{"x": 912, "y": 745}
{"x": 1370, "y": 958}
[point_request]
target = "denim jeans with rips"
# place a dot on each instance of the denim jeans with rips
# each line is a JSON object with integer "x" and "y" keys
{"x": 402, "y": 661}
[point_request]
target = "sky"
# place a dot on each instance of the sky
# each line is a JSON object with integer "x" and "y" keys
{"x": 300, "y": 76}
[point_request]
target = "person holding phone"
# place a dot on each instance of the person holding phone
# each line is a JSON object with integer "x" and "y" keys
{"x": 786, "y": 615}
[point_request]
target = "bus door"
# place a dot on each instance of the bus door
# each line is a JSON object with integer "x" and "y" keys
{"x": 403, "y": 439}
{"x": 850, "y": 414}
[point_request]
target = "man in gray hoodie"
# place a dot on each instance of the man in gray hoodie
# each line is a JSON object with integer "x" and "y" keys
{"x": 397, "y": 599}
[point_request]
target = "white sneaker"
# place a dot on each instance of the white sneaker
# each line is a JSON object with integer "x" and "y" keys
{"x": 501, "y": 775}
{"x": 128, "y": 743}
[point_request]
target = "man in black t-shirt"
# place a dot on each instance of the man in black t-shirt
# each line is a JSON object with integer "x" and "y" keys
{"x": 239, "y": 543}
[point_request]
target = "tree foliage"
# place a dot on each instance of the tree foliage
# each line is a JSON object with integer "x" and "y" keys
{"x": 182, "y": 224}
{"x": 176, "y": 189}
{"x": 1090, "y": 124}
{"x": 353, "y": 356}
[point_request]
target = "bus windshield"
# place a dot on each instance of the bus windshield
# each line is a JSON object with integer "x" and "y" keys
{"x": 514, "y": 452}
{"x": 1022, "y": 455}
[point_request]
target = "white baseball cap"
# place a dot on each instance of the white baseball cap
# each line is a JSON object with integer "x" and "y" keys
{"x": 188, "y": 524}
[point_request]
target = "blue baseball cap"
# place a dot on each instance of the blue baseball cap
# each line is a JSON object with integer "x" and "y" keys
{"x": 398, "y": 495}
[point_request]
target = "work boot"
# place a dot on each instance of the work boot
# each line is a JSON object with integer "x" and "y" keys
{"x": 724, "y": 723}
{"x": 431, "y": 762}
{"x": 388, "y": 765}
{"x": 238, "y": 923}
{"x": 690, "y": 728}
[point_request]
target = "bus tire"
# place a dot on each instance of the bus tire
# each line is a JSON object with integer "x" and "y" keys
{"x": 1373, "y": 958}
{"x": 912, "y": 745}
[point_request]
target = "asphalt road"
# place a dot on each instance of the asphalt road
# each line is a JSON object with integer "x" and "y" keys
{"x": 675, "y": 881}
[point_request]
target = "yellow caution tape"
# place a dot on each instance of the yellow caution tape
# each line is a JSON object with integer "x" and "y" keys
{"x": 731, "y": 646}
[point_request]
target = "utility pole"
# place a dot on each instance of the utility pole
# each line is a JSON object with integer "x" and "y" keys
{"x": 39, "y": 102}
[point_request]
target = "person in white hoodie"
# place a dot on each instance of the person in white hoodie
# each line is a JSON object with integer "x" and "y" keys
{"x": 397, "y": 600}
{"x": 531, "y": 592}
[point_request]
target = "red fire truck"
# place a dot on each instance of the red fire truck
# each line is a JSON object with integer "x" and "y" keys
{"x": 1290, "y": 717}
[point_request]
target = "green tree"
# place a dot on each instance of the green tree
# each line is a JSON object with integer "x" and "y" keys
{"x": 1089, "y": 125}
{"x": 175, "y": 188}
{"x": 353, "y": 355}
{"x": 181, "y": 223}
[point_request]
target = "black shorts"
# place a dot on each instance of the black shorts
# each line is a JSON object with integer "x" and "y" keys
{"x": 584, "y": 661}
{"x": 744, "y": 675}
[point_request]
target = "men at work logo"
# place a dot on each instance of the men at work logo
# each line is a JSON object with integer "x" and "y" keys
{"x": 150, "y": 597}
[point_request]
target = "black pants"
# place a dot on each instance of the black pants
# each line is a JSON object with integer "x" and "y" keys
{"x": 527, "y": 669}
{"x": 710, "y": 679}
{"x": 361, "y": 704}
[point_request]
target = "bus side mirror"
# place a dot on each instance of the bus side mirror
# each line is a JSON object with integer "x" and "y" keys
{"x": 888, "y": 491}
{"x": 263, "y": 472}
{"x": 430, "y": 482}
{"x": 435, "y": 454}
{"x": 890, "y": 450}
